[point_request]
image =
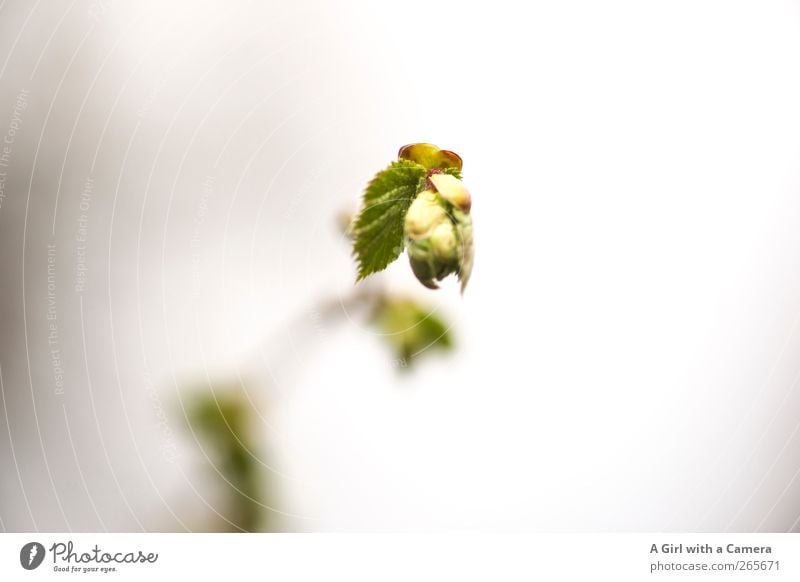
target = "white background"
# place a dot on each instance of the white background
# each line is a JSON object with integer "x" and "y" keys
{"x": 628, "y": 348}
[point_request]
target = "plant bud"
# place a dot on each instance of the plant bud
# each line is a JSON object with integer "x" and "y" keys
{"x": 439, "y": 242}
{"x": 424, "y": 264}
{"x": 444, "y": 242}
{"x": 424, "y": 214}
{"x": 466, "y": 247}
{"x": 453, "y": 190}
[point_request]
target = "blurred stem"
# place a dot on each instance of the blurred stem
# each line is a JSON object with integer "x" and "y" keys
{"x": 227, "y": 417}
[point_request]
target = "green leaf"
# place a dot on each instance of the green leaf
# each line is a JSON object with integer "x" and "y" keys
{"x": 453, "y": 172}
{"x": 378, "y": 231}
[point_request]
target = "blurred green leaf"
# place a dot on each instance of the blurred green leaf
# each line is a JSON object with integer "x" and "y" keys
{"x": 222, "y": 419}
{"x": 411, "y": 329}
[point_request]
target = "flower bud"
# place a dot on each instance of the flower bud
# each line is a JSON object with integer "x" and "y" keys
{"x": 444, "y": 243}
{"x": 439, "y": 242}
{"x": 427, "y": 266}
{"x": 422, "y": 263}
{"x": 453, "y": 190}
{"x": 466, "y": 247}
{"x": 424, "y": 214}
{"x": 438, "y": 226}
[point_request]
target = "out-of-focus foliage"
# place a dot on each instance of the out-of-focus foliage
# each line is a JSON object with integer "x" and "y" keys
{"x": 221, "y": 421}
{"x": 410, "y": 329}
